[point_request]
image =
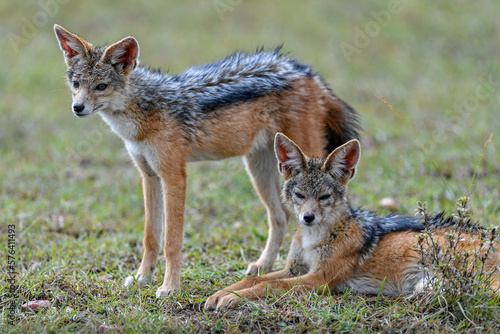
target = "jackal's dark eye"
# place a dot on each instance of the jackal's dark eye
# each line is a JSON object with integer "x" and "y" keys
{"x": 75, "y": 84}
{"x": 101, "y": 87}
{"x": 325, "y": 197}
{"x": 299, "y": 195}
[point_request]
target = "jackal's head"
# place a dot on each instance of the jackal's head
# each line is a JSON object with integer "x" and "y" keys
{"x": 97, "y": 76}
{"x": 316, "y": 189}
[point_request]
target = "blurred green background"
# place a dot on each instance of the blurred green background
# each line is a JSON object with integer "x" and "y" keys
{"x": 75, "y": 197}
{"x": 436, "y": 63}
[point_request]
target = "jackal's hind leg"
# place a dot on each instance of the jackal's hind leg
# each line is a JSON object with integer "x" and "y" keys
{"x": 261, "y": 165}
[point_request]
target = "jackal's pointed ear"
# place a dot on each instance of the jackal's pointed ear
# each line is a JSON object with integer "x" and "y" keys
{"x": 291, "y": 160}
{"x": 343, "y": 161}
{"x": 123, "y": 55}
{"x": 72, "y": 46}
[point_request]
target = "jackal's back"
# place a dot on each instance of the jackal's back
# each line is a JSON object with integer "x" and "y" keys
{"x": 203, "y": 90}
{"x": 375, "y": 227}
{"x": 239, "y": 77}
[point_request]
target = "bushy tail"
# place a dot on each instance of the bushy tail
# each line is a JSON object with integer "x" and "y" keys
{"x": 342, "y": 123}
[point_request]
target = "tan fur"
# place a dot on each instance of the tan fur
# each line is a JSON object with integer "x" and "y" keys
{"x": 288, "y": 113}
{"x": 329, "y": 251}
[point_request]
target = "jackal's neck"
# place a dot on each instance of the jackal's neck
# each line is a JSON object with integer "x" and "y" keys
{"x": 149, "y": 90}
{"x": 145, "y": 93}
{"x": 341, "y": 212}
{"x": 122, "y": 124}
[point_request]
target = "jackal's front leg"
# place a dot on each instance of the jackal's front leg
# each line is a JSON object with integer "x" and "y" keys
{"x": 295, "y": 266}
{"x": 174, "y": 192}
{"x": 314, "y": 282}
{"x": 153, "y": 226}
{"x": 245, "y": 283}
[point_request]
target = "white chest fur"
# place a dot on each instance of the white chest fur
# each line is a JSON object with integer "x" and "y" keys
{"x": 313, "y": 235}
{"x": 136, "y": 148}
{"x": 126, "y": 129}
{"x": 123, "y": 126}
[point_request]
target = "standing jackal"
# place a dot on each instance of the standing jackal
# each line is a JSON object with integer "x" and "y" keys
{"x": 337, "y": 247}
{"x": 232, "y": 107}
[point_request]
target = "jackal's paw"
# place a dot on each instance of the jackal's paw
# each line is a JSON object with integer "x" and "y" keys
{"x": 221, "y": 299}
{"x": 142, "y": 281}
{"x": 211, "y": 303}
{"x": 258, "y": 268}
{"x": 230, "y": 301}
{"x": 164, "y": 291}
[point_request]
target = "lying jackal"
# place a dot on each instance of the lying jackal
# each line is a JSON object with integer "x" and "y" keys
{"x": 336, "y": 247}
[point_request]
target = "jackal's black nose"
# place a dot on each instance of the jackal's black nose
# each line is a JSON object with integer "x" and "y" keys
{"x": 78, "y": 107}
{"x": 309, "y": 217}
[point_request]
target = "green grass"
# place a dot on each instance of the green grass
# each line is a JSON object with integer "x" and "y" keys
{"x": 69, "y": 187}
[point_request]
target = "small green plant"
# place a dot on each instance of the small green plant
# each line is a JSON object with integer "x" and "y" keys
{"x": 456, "y": 274}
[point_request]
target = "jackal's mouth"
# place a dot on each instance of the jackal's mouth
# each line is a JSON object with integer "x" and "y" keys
{"x": 82, "y": 115}
{"x": 312, "y": 224}
{"x": 97, "y": 107}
